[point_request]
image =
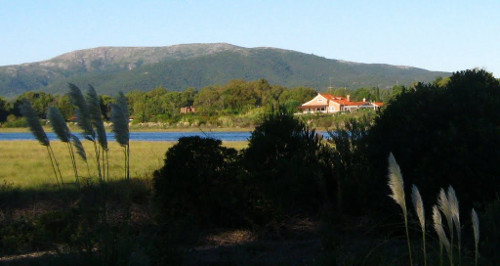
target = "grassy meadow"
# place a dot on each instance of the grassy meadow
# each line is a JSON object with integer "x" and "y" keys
{"x": 26, "y": 163}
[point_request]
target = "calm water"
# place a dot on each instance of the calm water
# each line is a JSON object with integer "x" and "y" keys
{"x": 148, "y": 136}
{"x": 144, "y": 136}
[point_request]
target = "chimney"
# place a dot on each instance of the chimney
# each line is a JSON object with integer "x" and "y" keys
{"x": 364, "y": 99}
{"x": 348, "y": 97}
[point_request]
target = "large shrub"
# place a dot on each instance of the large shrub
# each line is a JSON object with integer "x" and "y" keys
{"x": 199, "y": 184}
{"x": 441, "y": 136}
{"x": 282, "y": 163}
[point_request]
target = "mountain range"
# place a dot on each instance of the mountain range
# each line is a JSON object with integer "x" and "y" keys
{"x": 177, "y": 67}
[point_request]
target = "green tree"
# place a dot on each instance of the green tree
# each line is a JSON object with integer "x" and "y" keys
{"x": 40, "y": 102}
{"x": 208, "y": 101}
{"x": 300, "y": 94}
{"x": 4, "y": 109}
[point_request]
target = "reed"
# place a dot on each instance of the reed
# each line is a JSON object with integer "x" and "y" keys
{"x": 475, "y": 229}
{"x": 419, "y": 209}
{"x": 396, "y": 185}
{"x": 37, "y": 130}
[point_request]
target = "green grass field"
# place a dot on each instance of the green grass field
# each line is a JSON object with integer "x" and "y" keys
{"x": 26, "y": 163}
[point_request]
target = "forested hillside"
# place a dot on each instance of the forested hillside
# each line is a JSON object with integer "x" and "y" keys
{"x": 113, "y": 69}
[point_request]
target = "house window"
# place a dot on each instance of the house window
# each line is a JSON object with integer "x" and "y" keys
{"x": 322, "y": 108}
{"x": 320, "y": 100}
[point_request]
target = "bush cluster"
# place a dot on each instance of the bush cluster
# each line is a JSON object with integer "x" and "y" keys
{"x": 442, "y": 134}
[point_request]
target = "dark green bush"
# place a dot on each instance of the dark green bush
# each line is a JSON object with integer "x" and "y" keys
{"x": 200, "y": 183}
{"x": 440, "y": 136}
{"x": 283, "y": 165}
{"x": 489, "y": 227}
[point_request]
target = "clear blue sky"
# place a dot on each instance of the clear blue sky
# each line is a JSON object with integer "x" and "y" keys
{"x": 431, "y": 34}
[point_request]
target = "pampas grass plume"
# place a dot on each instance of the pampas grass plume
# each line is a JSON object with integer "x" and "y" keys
{"x": 438, "y": 226}
{"x": 444, "y": 206}
{"x": 33, "y": 123}
{"x": 419, "y": 205}
{"x": 396, "y": 183}
{"x": 95, "y": 115}
{"x": 58, "y": 124}
{"x": 455, "y": 214}
{"x": 81, "y": 111}
{"x": 475, "y": 229}
{"x": 79, "y": 147}
{"x": 398, "y": 194}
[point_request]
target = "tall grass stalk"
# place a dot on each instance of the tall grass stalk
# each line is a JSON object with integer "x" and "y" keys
{"x": 419, "y": 209}
{"x": 443, "y": 240}
{"x": 37, "y": 131}
{"x": 83, "y": 120}
{"x": 475, "y": 229}
{"x": 120, "y": 119}
{"x": 63, "y": 133}
{"x": 96, "y": 118}
{"x": 444, "y": 206}
{"x": 453, "y": 201}
{"x": 398, "y": 194}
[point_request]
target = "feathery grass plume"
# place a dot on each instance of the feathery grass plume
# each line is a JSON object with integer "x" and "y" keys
{"x": 396, "y": 183}
{"x": 455, "y": 214}
{"x": 443, "y": 240}
{"x": 80, "y": 150}
{"x": 96, "y": 118}
{"x": 83, "y": 119}
{"x": 81, "y": 111}
{"x": 37, "y": 131}
{"x": 398, "y": 194}
{"x": 475, "y": 229}
{"x": 79, "y": 147}
{"x": 419, "y": 209}
{"x": 120, "y": 119}
{"x": 63, "y": 133}
{"x": 444, "y": 206}
{"x": 33, "y": 123}
{"x": 58, "y": 124}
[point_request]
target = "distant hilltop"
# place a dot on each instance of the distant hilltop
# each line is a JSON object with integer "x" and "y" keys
{"x": 177, "y": 67}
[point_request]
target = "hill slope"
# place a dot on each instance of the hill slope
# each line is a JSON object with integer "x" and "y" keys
{"x": 177, "y": 67}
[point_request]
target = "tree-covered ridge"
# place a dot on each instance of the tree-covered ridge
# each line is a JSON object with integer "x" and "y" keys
{"x": 113, "y": 69}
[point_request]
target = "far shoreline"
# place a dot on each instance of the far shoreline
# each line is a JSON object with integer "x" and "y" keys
{"x": 146, "y": 129}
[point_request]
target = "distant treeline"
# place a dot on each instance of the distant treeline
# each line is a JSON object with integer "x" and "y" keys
{"x": 236, "y": 98}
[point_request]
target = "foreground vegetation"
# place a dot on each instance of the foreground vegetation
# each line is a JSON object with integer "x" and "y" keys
{"x": 289, "y": 192}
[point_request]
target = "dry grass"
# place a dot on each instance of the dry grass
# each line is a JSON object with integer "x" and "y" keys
{"x": 25, "y": 163}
